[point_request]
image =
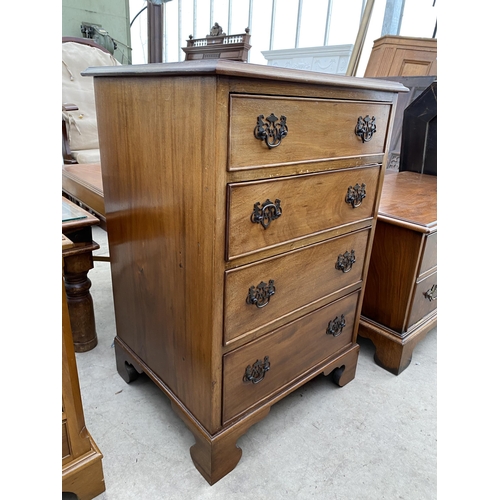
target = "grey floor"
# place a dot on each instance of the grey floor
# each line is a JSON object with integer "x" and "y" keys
{"x": 375, "y": 438}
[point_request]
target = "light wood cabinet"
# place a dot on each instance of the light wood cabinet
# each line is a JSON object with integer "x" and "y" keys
{"x": 81, "y": 459}
{"x": 240, "y": 204}
{"x": 393, "y": 55}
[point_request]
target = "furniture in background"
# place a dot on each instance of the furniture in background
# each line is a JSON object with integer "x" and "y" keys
{"x": 82, "y": 183}
{"x": 332, "y": 59}
{"x": 419, "y": 133}
{"x": 415, "y": 85}
{"x": 78, "y": 261}
{"x": 241, "y": 245}
{"x": 400, "y": 302}
{"x": 79, "y": 125}
{"x": 394, "y": 55}
{"x": 81, "y": 170}
{"x": 82, "y": 472}
{"x": 218, "y": 45}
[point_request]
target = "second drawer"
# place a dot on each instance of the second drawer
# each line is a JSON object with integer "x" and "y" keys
{"x": 262, "y": 368}
{"x": 264, "y": 214}
{"x": 260, "y": 294}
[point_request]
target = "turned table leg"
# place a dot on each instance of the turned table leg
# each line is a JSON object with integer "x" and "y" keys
{"x": 80, "y": 303}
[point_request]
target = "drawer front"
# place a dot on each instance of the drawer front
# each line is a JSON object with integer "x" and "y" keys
{"x": 316, "y": 129}
{"x": 289, "y": 282}
{"x": 291, "y": 351}
{"x": 429, "y": 258}
{"x": 264, "y": 214}
{"x": 424, "y": 300}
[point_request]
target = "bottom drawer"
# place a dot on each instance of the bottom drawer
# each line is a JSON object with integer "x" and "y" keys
{"x": 263, "y": 367}
{"x": 424, "y": 299}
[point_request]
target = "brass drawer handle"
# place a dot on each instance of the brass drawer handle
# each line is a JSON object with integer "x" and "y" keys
{"x": 272, "y": 130}
{"x": 365, "y": 128}
{"x": 335, "y": 326}
{"x": 355, "y": 195}
{"x": 345, "y": 261}
{"x": 432, "y": 293}
{"x": 257, "y": 371}
{"x": 261, "y": 294}
{"x": 266, "y": 213}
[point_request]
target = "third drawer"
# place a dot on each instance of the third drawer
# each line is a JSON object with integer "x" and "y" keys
{"x": 259, "y": 295}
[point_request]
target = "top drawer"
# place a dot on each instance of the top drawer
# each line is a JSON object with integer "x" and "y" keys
{"x": 316, "y": 129}
{"x": 429, "y": 258}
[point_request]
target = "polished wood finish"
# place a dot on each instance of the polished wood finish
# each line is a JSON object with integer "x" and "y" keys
{"x": 78, "y": 261}
{"x": 81, "y": 459}
{"x": 318, "y": 129}
{"x": 83, "y": 183}
{"x": 297, "y": 286}
{"x": 396, "y": 313}
{"x": 181, "y": 259}
{"x": 291, "y": 354}
{"x": 302, "y": 203}
{"x": 402, "y": 56}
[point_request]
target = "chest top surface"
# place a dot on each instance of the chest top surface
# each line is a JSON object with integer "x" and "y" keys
{"x": 239, "y": 69}
{"x": 410, "y": 197}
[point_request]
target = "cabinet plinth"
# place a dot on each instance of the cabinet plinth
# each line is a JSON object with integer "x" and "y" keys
{"x": 223, "y": 181}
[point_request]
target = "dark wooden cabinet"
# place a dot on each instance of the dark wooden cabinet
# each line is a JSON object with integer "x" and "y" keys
{"x": 400, "y": 302}
{"x": 240, "y": 201}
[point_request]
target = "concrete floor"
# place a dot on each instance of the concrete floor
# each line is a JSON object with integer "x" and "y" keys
{"x": 375, "y": 438}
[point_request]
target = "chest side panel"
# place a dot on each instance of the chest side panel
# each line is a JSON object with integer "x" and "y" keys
{"x": 159, "y": 175}
{"x": 391, "y": 275}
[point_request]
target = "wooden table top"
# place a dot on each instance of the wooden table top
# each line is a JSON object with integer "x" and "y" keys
{"x": 75, "y": 217}
{"x": 88, "y": 174}
{"x": 410, "y": 199}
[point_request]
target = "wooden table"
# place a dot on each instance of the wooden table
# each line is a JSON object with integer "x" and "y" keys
{"x": 82, "y": 182}
{"x": 78, "y": 261}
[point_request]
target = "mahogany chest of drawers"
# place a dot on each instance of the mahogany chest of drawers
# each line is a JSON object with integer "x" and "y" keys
{"x": 240, "y": 202}
{"x": 400, "y": 302}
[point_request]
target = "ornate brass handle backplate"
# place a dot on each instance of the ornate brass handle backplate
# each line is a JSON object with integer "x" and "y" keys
{"x": 365, "y": 128}
{"x": 335, "y": 326}
{"x": 272, "y": 130}
{"x": 345, "y": 261}
{"x": 261, "y": 294}
{"x": 355, "y": 195}
{"x": 265, "y": 213}
{"x": 256, "y": 372}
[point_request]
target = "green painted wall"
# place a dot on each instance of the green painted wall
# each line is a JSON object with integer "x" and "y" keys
{"x": 112, "y": 15}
